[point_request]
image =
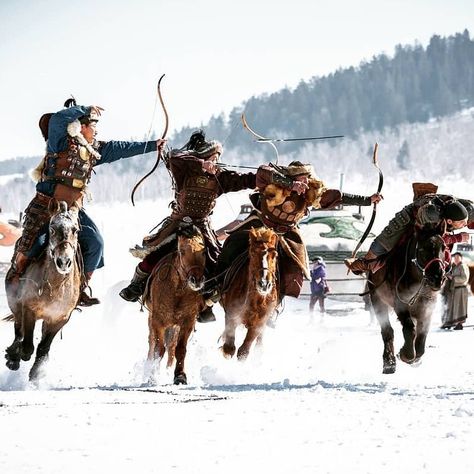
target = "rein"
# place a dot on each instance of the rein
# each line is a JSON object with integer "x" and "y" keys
{"x": 444, "y": 264}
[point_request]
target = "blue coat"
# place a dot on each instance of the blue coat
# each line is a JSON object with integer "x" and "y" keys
{"x": 90, "y": 240}
{"x": 318, "y": 280}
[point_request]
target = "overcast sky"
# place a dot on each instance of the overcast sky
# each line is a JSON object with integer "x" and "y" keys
{"x": 215, "y": 53}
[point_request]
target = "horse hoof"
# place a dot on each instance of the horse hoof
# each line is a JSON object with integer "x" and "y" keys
{"x": 389, "y": 369}
{"x": 180, "y": 379}
{"x": 406, "y": 359}
{"x": 13, "y": 364}
{"x": 242, "y": 356}
{"x": 227, "y": 353}
{"x": 25, "y": 357}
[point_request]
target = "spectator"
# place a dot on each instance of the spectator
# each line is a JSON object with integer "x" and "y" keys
{"x": 456, "y": 294}
{"x": 319, "y": 286}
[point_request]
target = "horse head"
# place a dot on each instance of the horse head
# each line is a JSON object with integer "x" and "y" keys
{"x": 191, "y": 256}
{"x": 263, "y": 258}
{"x": 63, "y": 233}
{"x": 432, "y": 258}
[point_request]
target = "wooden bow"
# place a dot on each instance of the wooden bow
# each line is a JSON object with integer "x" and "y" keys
{"x": 163, "y": 136}
{"x": 374, "y": 210}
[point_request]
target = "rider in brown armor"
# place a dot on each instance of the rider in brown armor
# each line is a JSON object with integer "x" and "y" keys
{"x": 427, "y": 209}
{"x": 198, "y": 182}
{"x": 283, "y": 199}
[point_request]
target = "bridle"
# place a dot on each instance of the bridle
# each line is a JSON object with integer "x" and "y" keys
{"x": 444, "y": 264}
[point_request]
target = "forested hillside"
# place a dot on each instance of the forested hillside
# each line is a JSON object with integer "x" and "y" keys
{"x": 415, "y": 85}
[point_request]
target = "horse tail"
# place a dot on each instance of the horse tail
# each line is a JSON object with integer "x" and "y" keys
{"x": 10, "y": 317}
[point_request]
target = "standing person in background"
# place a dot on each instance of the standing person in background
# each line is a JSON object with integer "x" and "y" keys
{"x": 319, "y": 286}
{"x": 456, "y": 295}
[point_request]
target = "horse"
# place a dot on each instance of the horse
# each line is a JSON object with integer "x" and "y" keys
{"x": 173, "y": 300}
{"x": 252, "y": 294}
{"x": 471, "y": 277}
{"x": 409, "y": 283}
{"x": 49, "y": 290}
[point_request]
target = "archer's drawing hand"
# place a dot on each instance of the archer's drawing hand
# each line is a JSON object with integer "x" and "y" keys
{"x": 299, "y": 187}
{"x": 464, "y": 237}
{"x": 209, "y": 167}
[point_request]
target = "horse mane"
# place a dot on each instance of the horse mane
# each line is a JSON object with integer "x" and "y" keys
{"x": 188, "y": 230}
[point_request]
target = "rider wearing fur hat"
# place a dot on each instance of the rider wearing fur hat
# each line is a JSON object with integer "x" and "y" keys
{"x": 197, "y": 183}
{"x": 72, "y": 152}
{"x": 283, "y": 199}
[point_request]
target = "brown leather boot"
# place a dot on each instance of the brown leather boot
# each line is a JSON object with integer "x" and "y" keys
{"x": 84, "y": 298}
{"x": 369, "y": 262}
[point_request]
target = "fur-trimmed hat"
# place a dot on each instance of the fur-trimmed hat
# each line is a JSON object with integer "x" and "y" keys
{"x": 296, "y": 168}
{"x": 207, "y": 149}
{"x": 201, "y": 148}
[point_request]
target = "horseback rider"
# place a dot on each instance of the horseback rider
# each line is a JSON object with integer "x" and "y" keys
{"x": 198, "y": 181}
{"x": 428, "y": 210}
{"x": 282, "y": 200}
{"x": 72, "y": 152}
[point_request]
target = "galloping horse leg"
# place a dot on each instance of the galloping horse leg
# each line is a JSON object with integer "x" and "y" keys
{"x": 407, "y": 352}
{"x": 156, "y": 347}
{"x": 388, "y": 357}
{"x": 152, "y": 340}
{"x": 49, "y": 331}
{"x": 422, "y": 328}
{"x": 12, "y": 353}
{"x": 244, "y": 349}
{"x": 179, "y": 374}
{"x": 228, "y": 349}
{"x": 28, "y": 327}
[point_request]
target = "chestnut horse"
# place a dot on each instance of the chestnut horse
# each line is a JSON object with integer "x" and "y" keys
{"x": 173, "y": 300}
{"x": 252, "y": 295}
{"x": 409, "y": 283}
{"x": 48, "y": 290}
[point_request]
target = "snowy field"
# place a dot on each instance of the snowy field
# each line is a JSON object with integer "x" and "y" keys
{"x": 314, "y": 400}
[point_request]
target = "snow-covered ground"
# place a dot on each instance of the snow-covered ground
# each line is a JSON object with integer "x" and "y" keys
{"x": 313, "y": 400}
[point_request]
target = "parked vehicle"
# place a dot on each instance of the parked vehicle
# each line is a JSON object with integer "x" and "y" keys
{"x": 331, "y": 234}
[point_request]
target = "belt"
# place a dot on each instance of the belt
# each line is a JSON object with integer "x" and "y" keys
{"x": 278, "y": 228}
{"x": 72, "y": 182}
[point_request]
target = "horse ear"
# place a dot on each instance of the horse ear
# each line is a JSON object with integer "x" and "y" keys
{"x": 53, "y": 206}
{"x": 63, "y": 207}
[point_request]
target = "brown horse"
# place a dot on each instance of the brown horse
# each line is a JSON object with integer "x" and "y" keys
{"x": 48, "y": 290}
{"x": 409, "y": 283}
{"x": 174, "y": 301}
{"x": 252, "y": 295}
